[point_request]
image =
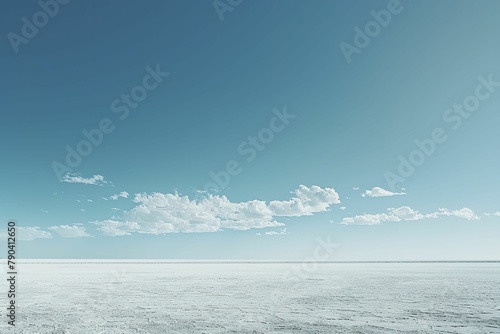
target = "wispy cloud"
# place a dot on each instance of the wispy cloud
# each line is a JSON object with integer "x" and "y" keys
{"x": 406, "y": 213}
{"x": 32, "y": 233}
{"x": 271, "y": 233}
{"x": 94, "y": 180}
{"x": 497, "y": 214}
{"x": 122, "y": 194}
{"x": 67, "y": 231}
{"x": 464, "y": 213}
{"x": 379, "y": 192}
{"x": 159, "y": 213}
{"x": 116, "y": 228}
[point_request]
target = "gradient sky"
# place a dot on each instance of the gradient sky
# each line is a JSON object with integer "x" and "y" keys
{"x": 229, "y": 76}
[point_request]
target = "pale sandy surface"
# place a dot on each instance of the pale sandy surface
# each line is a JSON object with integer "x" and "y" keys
{"x": 256, "y": 298}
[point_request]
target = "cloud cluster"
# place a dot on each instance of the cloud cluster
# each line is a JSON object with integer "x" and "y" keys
{"x": 406, "y": 213}
{"x": 94, "y": 180}
{"x": 159, "y": 213}
{"x": 66, "y": 231}
{"x": 379, "y": 192}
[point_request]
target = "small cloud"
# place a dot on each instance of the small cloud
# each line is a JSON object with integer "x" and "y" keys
{"x": 78, "y": 200}
{"x": 82, "y": 210}
{"x": 104, "y": 198}
{"x": 45, "y": 211}
{"x": 270, "y": 233}
{"x": 379, "y": 192}
{"x": 94, "y": 180}
{"x": 66, "y": 231}
{"x": 116, "y": 209}
{"x": 355, "y": 188}
{"x": 497, "y": 214}
{"x": 89, "y": 200}
{"x": 342, "y": 208}
{"x": 122, "y": 194}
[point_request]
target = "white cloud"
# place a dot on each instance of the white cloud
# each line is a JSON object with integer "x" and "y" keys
{"x": 89, "y": 200}
{"x": 122, "y": 194}
{"x": 355, "y": 188}
{"x": 379, "y": 192}
{"x": 270, "y": 233}
{"x": 159, "y": 213}
{"x": 94, "y": 180}
{"x": 497, "y": 214}
{"x": 464, "y": 213}
{"x": 45, "y": 211}
{"x": 342, "y": 208}
{"x": 67, "y": 231}
{"x": 116, "y": 228}
{"x": 369, "y": 219}
{"x": 82, "y": 210}
{"x": 406, "y": 213}
{"x": 308, "y": 201}
{"x": 32, "y": 233}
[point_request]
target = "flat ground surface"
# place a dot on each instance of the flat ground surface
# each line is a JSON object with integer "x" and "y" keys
{"x": 255, "y": 298}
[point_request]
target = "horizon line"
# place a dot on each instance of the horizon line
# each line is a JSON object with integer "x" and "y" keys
{"x": 180, "y": 261}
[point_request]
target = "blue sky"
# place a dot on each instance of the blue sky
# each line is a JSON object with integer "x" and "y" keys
{"x": 265, "y": 90}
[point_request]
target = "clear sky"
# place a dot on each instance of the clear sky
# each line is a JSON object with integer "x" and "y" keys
{"x": 251, "y": 129}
